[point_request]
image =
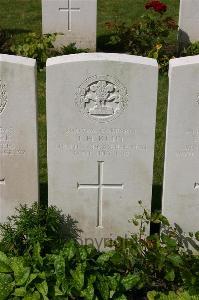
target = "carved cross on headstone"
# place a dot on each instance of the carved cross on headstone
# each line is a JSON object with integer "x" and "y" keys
{"x": 2, "y": 181}
{"x": 100, "y": 186}
{"x": 196, "y": 185}
{"x": 69, "y": 11}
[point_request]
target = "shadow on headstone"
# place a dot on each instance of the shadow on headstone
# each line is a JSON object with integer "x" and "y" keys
{"x": 183, "y": 40}
{"x": 43, "y": 194}
{"x": 156, "y": 197}
{"x": 156, "y": 205}
{"x": 104, "y": 46}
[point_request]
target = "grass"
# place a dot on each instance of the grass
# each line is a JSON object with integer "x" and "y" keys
{"x": 21, "y": 16}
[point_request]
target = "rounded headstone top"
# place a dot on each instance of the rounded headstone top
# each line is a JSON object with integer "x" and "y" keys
{"x": 101, "y": 56}
{"x": 18, "y": 60}
{"x": 181, "y": 61}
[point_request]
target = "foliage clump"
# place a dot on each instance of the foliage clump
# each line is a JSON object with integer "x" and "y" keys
{"x": 158, "y": 266}
{"x": 150, "y": 36}
{"x": 41, "y": 47}
{"x": 37, "y": 46}
{"x": 191, "y": 49}
{"x": 30, "y": 225}
{"x": 72, "y": 49}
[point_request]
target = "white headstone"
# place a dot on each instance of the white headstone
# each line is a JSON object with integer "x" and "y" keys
{"x": 181, "y": 177}
{"x": 75, "y": 19}
{"x": 188, "y": 21}
{"x": 18, "y": 134}
{"x": 101, "y": 111}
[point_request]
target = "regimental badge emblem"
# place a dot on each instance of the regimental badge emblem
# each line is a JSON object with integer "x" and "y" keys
{"x": 102, "y": 98}
{"x": 3, "y": 96}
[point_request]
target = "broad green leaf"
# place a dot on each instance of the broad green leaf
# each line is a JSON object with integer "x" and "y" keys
{"x": 33, "y": 296}
{"x": 78, "y": 277}
{"x": 104, "y": 257}
{"x": 31, "y": 278}
{"x": 175, "y": 259}
{"x": 90, "y": 249}
{"x": 88, "y": 293}
{"x": 187, "y": 296}
{"x": 6, "y": 285}
{"x": 151, "y": 295}
{"x": 114, "y": 281}
{"x": 197, "y": 236}
{"x": 42, "y": 288}
{"x": 4, "y": 258}
{"x": 70, "y": 250}
{"x": 4, "y": 263}
{"x": 130, "y": 281}
{"x": 4, "y": 268}
{"x": 170, "y": 275}
{"x": 42, "y": 275}
{"x": 121, "y": 297}
{"x": 20, "y": 292}
{"x": 58, "y": 292}
{"x": 92, "y": 278}
{"x": 36, "y": 254}
{"x": 21, "y": 273}
{"x": 102, "y": 286}
{"x": 169, "y": 241}
{"x": 65, "y": 286}
{"x": 82, "y": 253}
{"x": 59, "y": 265}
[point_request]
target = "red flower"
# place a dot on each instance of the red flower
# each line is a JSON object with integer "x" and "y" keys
{"x": 156, "y": 5}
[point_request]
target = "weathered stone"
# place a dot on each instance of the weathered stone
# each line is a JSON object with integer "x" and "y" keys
{"x": 101, "y": 111}
{"x": 18, "y": 134}
{"x": 188, "y": 21}
{"x": 75, "y": 19}
{"x": 181, "y": 174}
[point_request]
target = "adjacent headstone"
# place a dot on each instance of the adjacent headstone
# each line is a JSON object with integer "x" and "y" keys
{"x": 101, "y": 111}
{"x": 18, "y": 134}
{"x": 75, "y": 19}
{"x": 181, "y": 177}
{"x": 188, "y": 21}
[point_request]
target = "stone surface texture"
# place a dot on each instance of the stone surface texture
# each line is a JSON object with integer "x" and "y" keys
{"x": 181, "y": 175}
{"x": 18, "y": 134}
{"x": 101, "y": 111}
{"x": 189, "y": 21}
{"x": 75, "y": 19}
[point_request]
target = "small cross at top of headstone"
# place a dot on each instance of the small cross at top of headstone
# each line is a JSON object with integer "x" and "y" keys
{"x": 69, "y": 10}
{"x": 2, "y": 181}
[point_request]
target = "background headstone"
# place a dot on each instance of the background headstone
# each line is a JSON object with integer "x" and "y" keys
{"x": 181, "y": 175}
{"x": 188, "y": 21}
{"x": 18, "y": 134}
{"x": 101, "y": 111}
{"x": 76, "y": 19}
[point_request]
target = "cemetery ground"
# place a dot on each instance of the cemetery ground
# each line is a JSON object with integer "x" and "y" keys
{"x": 25, "y": 16}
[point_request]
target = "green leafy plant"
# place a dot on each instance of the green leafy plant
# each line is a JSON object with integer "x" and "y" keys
{"x": 139, "y": 267}
{"x": 31, "y": 225}
{"x": 153, "y": 295}
{"x": 148, "y": 37}
{"x": 36, "y": 46}
{"x": 72, "y": 49}
{"x": 192, "y": 49}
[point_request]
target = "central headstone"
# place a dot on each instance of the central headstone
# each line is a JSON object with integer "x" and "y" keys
{"x": 18, "y": 134}
{"x": 101, "y": 111}
{"x": 75, "y": 19}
